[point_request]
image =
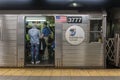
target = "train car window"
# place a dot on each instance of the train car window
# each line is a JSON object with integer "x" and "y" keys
{"x": 96, "y": 31}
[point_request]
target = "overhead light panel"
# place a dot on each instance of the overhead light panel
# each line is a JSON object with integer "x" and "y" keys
{"x": 75, "y": 4}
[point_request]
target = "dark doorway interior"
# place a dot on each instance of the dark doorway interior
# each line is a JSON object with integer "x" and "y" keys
{"x": 46, "y": 50}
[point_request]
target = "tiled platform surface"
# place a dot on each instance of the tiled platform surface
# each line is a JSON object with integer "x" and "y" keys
{"x": 58, "y": 72}
{"x": 56, "y": 78}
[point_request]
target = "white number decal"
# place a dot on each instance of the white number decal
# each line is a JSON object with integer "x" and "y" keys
{"x": 69, "y": 19}
{"x": 80, "y": 19}
{"x": 74, "y": 19}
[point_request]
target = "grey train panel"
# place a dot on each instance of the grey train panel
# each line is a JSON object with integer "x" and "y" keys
{"x": 20, "y": 41}
{"x": 11, "y": 24}
{"x": 8, "y": 50}
{"x": 91, "y": 45}
{"x": 86, "y": 54}
{"x": 8, "y": 40}
{"x": 9, "y": 43}
{"x": 58, "y": 44}
{"x": 96, "y": 16}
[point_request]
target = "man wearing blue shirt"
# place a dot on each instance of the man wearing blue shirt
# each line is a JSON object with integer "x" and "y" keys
{"x": 34, "y": 35}
{"x": 45, "y": 34}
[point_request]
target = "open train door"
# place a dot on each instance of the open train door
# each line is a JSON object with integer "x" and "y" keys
{"x": 41, "y": 54}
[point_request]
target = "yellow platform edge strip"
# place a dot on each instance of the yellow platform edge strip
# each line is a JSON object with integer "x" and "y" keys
{"x": 58, "y": 72}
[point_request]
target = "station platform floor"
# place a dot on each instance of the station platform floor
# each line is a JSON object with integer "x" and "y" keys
{"x": 58, "y": 74}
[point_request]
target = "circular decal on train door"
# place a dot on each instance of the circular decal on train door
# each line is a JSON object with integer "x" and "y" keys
{"x": 75, "y": 35}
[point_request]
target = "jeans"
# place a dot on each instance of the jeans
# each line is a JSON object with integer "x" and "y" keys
{"x": 34, "y": 51}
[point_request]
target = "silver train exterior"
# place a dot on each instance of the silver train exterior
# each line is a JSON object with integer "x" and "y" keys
{"x": 85, "y": 55}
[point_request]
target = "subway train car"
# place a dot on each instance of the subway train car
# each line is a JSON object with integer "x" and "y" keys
{"x": 76, "y": 38}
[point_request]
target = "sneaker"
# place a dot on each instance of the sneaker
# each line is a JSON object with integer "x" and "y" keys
{"x": 32, "y": 62}
{"x": 37, "y": 62}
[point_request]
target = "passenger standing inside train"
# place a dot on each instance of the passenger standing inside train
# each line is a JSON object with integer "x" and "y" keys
{"x": 34, "y": 34}
{"x": 45, "y": 34}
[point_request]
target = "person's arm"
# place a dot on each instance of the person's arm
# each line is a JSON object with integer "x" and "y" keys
{"x": 27, "y": 37}
{"x": 39, "y": 34}
{"x": 29, "y": 34}
{"x": 49, "y": 30}
{"x": 42, "y": 33}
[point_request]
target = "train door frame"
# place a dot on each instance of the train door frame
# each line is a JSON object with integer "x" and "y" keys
{"x": 33, "y": 15}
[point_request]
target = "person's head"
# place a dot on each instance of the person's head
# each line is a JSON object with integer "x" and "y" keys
{"x": 48, "y": 23}
{"x": 34, "y": 25}
{"x": 45, "y": 24}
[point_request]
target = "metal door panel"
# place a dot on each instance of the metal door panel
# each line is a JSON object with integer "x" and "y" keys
{"x": 11, "y": 17}
{"x": 8, "y": 50}
{"x": 20, "y": 41}
{"x": 58, "y": 44}
{"x": 8, "y": 58}
{"x": 11, "y": 24}
{"x": 9, "y": 43}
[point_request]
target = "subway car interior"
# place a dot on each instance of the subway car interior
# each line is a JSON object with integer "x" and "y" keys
{"x": 46, "y": 48}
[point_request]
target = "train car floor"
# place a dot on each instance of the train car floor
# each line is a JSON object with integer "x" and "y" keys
{"x": 43, "y": 63}
{"x": 39, "y": 65}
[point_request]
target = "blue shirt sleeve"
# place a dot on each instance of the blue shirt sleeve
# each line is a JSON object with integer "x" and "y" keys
{"x": 43, "y": 31}
{"x": 49, "y": 30}
{"x": 46, "y": 31}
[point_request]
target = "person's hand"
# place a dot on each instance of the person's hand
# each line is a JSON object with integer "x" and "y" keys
{"x": 41, "y": 37}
